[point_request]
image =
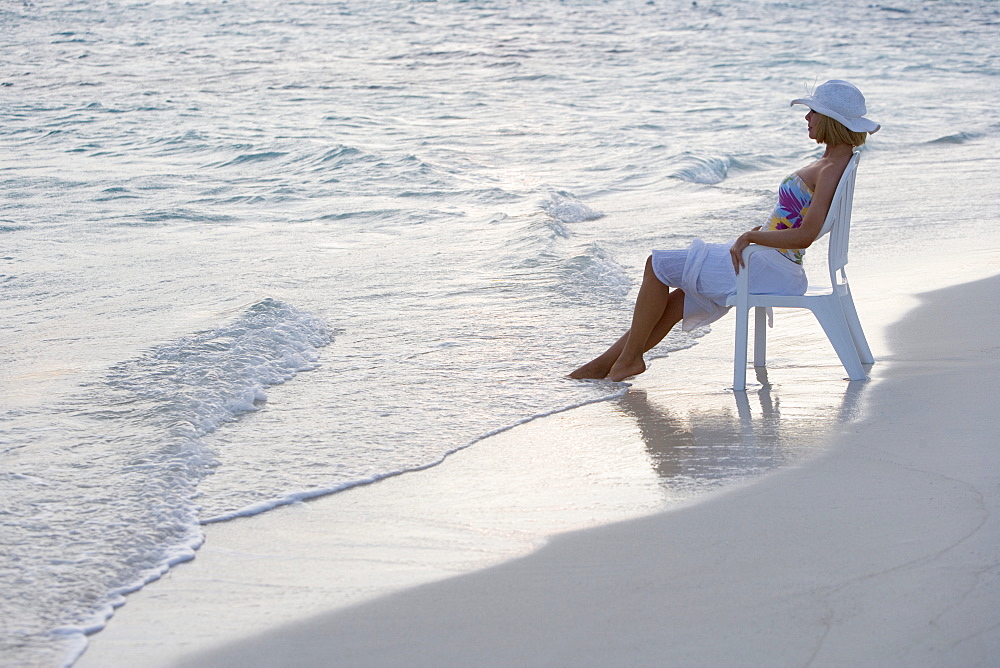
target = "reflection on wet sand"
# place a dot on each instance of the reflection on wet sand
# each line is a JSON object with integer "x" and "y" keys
{"x": 697, "y": 440}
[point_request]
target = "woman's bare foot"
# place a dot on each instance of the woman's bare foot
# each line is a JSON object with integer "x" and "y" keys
{"x": 623, "y": 369}
{"x": 593, "y": 369}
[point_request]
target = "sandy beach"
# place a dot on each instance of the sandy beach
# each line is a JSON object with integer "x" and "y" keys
{"x": 876, "y": 543}
{"x": 883, "y": 551}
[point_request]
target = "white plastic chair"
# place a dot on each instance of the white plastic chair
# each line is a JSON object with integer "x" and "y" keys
{"x": 833, "y": 306}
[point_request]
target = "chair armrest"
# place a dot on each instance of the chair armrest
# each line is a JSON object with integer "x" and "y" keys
{"x": 743, "y": 278}
{"x": 753, "y": 248}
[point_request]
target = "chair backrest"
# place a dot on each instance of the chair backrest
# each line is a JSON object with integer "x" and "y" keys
{"x": 838, "y": 220}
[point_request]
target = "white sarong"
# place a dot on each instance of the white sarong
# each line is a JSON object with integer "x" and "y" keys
{"x": 705, "y": 273}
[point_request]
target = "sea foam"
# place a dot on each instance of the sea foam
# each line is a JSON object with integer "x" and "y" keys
{"x": 202, "y": 381}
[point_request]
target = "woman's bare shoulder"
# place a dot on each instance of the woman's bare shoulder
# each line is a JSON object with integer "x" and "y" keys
{"x": 825, "y": 172}
{"x": 830, "y": 172}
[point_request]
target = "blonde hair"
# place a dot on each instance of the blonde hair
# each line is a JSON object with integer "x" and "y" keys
{"x": 830, "y": 131}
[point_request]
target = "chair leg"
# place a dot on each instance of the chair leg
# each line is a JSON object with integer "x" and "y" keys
{"x": 759, "y": 336}
{"x": 833, "y": 321}
{"x": 857, "y": 334}
{"x": 740, "y": 354}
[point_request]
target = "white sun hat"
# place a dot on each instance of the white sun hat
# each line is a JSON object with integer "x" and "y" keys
{"x": 842, "y": 102}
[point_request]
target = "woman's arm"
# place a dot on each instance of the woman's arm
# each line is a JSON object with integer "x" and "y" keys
{"x": 827, "y": 180}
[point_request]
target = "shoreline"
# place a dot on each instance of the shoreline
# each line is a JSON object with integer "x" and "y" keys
{"x": 353, "y": 550}
{"x": 882, "y": 549}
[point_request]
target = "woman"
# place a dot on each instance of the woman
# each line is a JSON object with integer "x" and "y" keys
{"x": 704, "y": 275}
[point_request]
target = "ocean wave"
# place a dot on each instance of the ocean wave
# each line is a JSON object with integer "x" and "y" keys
{"x": 567, "y": 209}
{"x": 200, "y": 382}
{"x": 152, "y": 218}
{"x": 594, "y": 276}
{"x": 706, "y": 170}
{"x": 261, "y": 156}
{"x": 11, "y": 226}
{"x": 957, "y": 138}
{"x": 895, "y": 10}
{"x": 312, "y": 158}
{"x": 338, "y": 155}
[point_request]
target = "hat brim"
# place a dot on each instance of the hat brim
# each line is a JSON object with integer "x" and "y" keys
{"x": 857, "y": 124}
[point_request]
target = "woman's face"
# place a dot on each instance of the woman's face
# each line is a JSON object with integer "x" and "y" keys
{"x": 812, "y": 118}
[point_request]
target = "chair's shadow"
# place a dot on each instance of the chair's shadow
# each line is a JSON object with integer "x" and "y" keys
{"x": 702, "y": 439}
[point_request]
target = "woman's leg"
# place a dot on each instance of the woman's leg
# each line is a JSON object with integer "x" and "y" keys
{"x": 650, "y": 307}
{"x": 653, "y": 297}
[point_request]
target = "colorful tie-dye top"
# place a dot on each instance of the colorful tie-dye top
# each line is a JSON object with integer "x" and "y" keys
{"x": 794, "y": 198}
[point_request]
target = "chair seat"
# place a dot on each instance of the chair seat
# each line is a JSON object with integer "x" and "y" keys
{"x": 792, "y": 301}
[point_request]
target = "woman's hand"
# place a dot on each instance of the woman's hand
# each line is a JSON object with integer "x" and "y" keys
{"x": 736, "y": 250}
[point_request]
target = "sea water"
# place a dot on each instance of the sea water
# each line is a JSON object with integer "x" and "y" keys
{"x": 415, "y": 216}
